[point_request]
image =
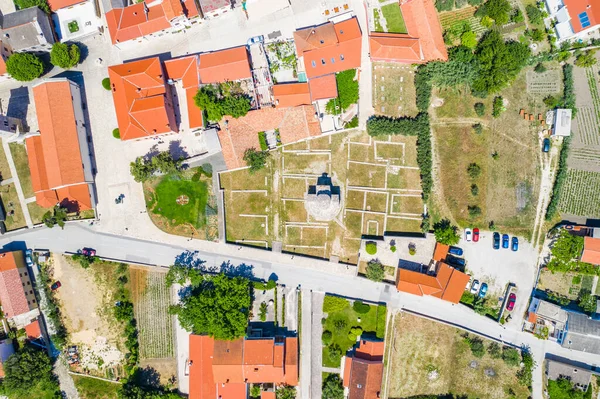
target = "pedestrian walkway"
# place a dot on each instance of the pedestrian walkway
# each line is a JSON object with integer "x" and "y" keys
{"x": 15, "y": 177}
{"x": 306, "y": 345}
{"x": 67, "y": 386}
{"x": 317, "y": 351}
{"x": 7, "y": 182}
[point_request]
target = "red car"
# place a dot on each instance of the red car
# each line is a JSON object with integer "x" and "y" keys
{"x": 510, "y": 305}
{"x": 475, "y": 234}
{"x": 88, "y": 252}
{"x": 55, "y": 286}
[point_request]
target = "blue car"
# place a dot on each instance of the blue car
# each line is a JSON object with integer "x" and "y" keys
{"x": 504, "y": 240}
{"x": 483, "y": 290}
{"x": 496, "y": 240}
{"x": 455, "y": 251}
{"x": 454, "y": 261}
{"x": 515, "y": 244}
{"x": 546, "y": 146}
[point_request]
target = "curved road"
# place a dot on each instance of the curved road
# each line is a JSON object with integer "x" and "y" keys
{"x": 310, "y": 274}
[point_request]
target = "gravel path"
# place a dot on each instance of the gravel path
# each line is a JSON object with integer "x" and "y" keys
{"x": 305, "y": 345}
{"x": 317, "y": 350}
{"x": 67, "y": 386}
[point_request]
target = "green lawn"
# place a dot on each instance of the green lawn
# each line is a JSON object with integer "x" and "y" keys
{"x": 91, "y": 388}
{"x": 340, "y": 322}
{"x": 19, "y": 154}
{"x": 393, "y": 18}
{"x": 36, "y": 212}
{"x": 164, "y": 201}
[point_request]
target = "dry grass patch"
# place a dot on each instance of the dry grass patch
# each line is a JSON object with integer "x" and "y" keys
{"x": 295, "y": 211}
{"x": 242, "y": 179}
{"x": 36, "y": 212}
{"x": 373, "y": 224}
{"x": 355, "y": 199}
{"x": 4, "y": 168}
{"x": 361, "y": 153}
{"x": 394, "y": 89}
{"x": 322, "y": 143}
{"x": 294, "y": 187}
{"x": 12, "y": 207}
{"x": 299, "y": 146}
{"x": 362, "y": 175}
{"x": 301, "y": 163}
{"x": 402, "y": 224}
{"x": 376, "y": 201}
{"x": 420, "y": 346}
{"x": 560, "y": 283}
{"x": 19, "y": 154}
{"x": 407, "y": 204}
{"x": 353, "y": 222}
{"x": 251, "y": 203}
{"x": 404, "y": 178}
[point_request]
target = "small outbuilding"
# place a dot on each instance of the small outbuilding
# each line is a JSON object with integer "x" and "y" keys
{"x": 562, "y": 123}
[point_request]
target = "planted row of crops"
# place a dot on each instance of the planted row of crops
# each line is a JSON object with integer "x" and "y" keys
{"x": 587, "y": 126}
{"x": 580, "y": 193}
{"x": 586, "y": 154}
{"x": 155, "y": 324}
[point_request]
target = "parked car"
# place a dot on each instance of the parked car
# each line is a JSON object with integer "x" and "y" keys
{"x": 510, "y": 305}
{"x": 483, "y": 290}
{"x": 29, "y": 257}
{"x": 515, "y": 244}
{"x": 475, "y": 234}
{"x": 468, "y": 234}
{"x": 546, "y": 145}
{"x": 455, "y": 261}
{"x": 55, "y": 286}
{"x": 496, "y": 240}
{"x": 88, "y": 252}
{"x": 504, "y": 240}
{"x": 475, "y": 287}
{"x": 455, "y": 251}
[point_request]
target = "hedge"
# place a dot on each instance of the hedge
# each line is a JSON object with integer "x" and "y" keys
{"x": 262, "y": 140}
{"x": 332, "y": 304}
{"x": 360, "y": 307}
{"x": 568, "y": 100}
{"x": 106, "y": 83}
{"x": 561, "y": 175}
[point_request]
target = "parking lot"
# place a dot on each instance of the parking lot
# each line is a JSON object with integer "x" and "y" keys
{"x": 498, "y": 267}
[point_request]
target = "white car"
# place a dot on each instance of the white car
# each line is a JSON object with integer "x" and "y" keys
{"x": 475, "y": 287}
{"x": 468, "y": 234}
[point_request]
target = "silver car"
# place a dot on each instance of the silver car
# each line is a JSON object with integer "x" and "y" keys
{"x": 475, "y": 287}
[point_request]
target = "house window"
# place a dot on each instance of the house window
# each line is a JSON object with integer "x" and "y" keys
{"x": 31, "y": 291}
{"x": 28, "y": 283}
{"x": 323, "y": 61}
{"x": 314, "y": 64}
{"x": 341, "y": 57}
{"x": 20, "y": 274}
{"x": 332, "y": 60}
{"x": 25, "y": 273}
{"x": 33, "y": 300}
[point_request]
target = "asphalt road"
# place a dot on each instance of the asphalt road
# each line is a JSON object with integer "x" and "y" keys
{"x": 292, "y": 273}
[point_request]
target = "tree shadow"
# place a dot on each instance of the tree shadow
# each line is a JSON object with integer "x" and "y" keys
{"x": 72, "y": 206}
{"x": 177, "y": 151}
{"x": 18, "y": 104}
{"x": 148, "y": 377}
{"x": 192, "y": 260}
{"x": 241, "y": 270}
{"x": 83, "y": 51}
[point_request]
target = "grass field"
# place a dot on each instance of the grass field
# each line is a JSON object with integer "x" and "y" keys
{"x": 91, "y": 388}
{"x": 12, "y": 206}
{"x": 4, "y": 168}
{"x": 36, "y": 212}
{"x": 420, "y": 346}
{"x": 393, "y": 18}
{"x": 340, "y": 322}
{"x": 19, "y": 154}
{"x": 151, "y": 299}
{"x": 183, "y": 205}
{"x": 394, "y": 89}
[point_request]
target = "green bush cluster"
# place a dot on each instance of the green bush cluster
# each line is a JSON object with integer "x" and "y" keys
{"x": 352, "y": 123}
{"x": 24, "y": 67}
{"x": 64, "y": 55}
{"x": 479, "y": 109}
{"x": 347, "y": 88}
{"x": 476, "y": 345}
{"x": 262, "y": 141}
{"x": 261, "y": 285}
{"x": 568, "y": 99}
{"x": 144, "y": 168}
{"x": 498, "y": 106}
{"x": 557, "y": 298}
{"x": 498, "y": 10}
{"x": 371, "y": 247}
{"x": 218, "y": 101}
{"x": 564, "y": 389}
{"x": 326, "y": 337}
{"x": 106, "y": 83}
{"x": 52, "y": 309}
{"x": 375, "y": 270}
{"x": 354, "y": 333}
{"x": 360, "y": 307}
{"x": 524, "y": 375}
{"x": 256, "y": 160}
{"x": 561, "y": 175}
{"x": 123, "y": 312}
{"x": 332, "y": 304}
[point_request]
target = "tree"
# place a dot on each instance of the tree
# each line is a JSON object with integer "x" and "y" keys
{"x": 326, "y": 337}
{"x": 474, "y": 210}
{"x": 551, "y": 102}
{"x": 445, "y": 232}
{"x": 469, "y": 39}
{"x": 586, "y": 301}
{"x": 65, "y": 56}
{"x": 479, "y": 109}
{"x": 371, "y": 247}
{"x": 347, "y": 88}
{"x": 25, "y": 369}
{"x": 540, "y": 68}
{"x": 474, "y": 190}
{"x": 586, "y": 59}
{"x": 42, "y": 4}
{"x": 498, "y": 106}
{"x": 106, "y": 83}
{"x": 256, "y": 160}
{"x": 124, "y": 311}
{"x": 57, "y": 216}
{"x": 517, "y": 16}
{"x": 511, "y": 357}
{"x": 537, "y": 35}
{"x": 498, "y": 10}
{"x": 375, "y": 270}
{"x": 217, "y": 307}
{"x": 255, "y": 391}
{"x": 24, "y": 67}
{"x": 220, "y": 101}
{"x": 182, "y": 274}
{"x": 494, "y": 350}
{"x": 477, "y": 347}
{"x": 499, "y": 62}
{"x": 534, "y": 14}
{"x": 143, "y": 168}
{"x": 332, "y": 387}
{"x": 285, "y": 392}
{"x": 565, "y": 251}
{"x": 478, "y": 128}
{"x": 474, "y": 170}
{"x": 564, "y": 389}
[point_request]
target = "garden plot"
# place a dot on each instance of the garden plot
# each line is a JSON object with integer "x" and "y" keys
{"x": 151, "y": 299}
{"x": 548, "y": 82}
{"x": 394, "y": 89}
{"x": 448, "y": 19}
{"x": 579, "y": 194}
{"x": 282, "y": 61}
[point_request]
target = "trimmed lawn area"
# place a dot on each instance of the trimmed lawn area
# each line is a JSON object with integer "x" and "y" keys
{"x": 422, "y": 346}
{"x": 91, "y": 388}
{"x": 393, "y": 18}
{"x": 19, "y": 154}
{"x": 36, "y": 212}
{"x": 4, "y": 169}
{"x": 11, "y": 203}
{"x": 73, "y": 26}
{"x": 341, "y": 318}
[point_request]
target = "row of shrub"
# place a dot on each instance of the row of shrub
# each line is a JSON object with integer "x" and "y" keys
{"x": 123, "y": 312}
{"x": 561, "y": 175}
{"x": 52, "y": 309}
{"x": 568, "y": 100}
{"x": 261, "y": 285}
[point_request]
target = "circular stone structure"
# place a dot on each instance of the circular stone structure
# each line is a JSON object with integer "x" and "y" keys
{"x": 183, "y": 200}
{"x": 322, "y": 201}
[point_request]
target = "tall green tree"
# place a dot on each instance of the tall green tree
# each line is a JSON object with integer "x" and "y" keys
{"x": 217, "y": 101}
{"x": 29, "y": 370}
{"x": 218, "y": 307}
{"x": 498, "y": 10}
{"x": 375, "y": 270}
{"x": 143, "y": 168}
{"x": 65, "y": 56}
{"x": 332, "y": 387}
{"x": 445, "y": 232}
{"x": 42, "y": 4}
{"x": 587, "y": 301}
{"x": 57, "y": 216}
{"x": 256, "y": 160}
{"x": 24, "y": 67}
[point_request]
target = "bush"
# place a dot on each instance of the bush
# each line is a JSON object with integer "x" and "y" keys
{"x": 474, "y": 189}
{"x": 42, "y": 4}
{"x": 335, "y": 352}
{"x": 106, "y": 83}
{"x": 551, "y": 102}
{"x": 586, "y": 301}
{"x": 347, "y": 92}
{"x": 371, "y": 247}
{"x": 332, "y": 387}
{"x": 477, "y": 346}
{"x": 479, "y": 109}
{"x": 24, "y": 67}
{"x": 393, "y": 248}
{"x": 354, "y": 333}
{"x": 494, "y": 350}
{"x": 65, "y": 56}
{"x": 474, "y": 211}
{"x": 326, "y": 337}
{"x": 524, "y": 375}
{"x": 255, "y": 160}
{"x": 332, "y": 304}
{"x": 352, "y": 123}
{"x": 375, "y": 270}
{"x": 561, "y": 176}
{"x": 498, "y": 106}
{"x": 116, "y": 133}
{"x": 340, "y": 325}
{"x": 540, "y": 68}
{"x": 220, "y": 101}
{"x": 474, "y": 170}
{"x": 586, "y": 59}
{"x": 537, "y": 35}
{"x": 469, "y": 39}
{"x": 511, "y": 357}
{"x": 360, "y": 307}
{"x": 262, "y": 141}
{"x": 534, "y": 14}
{"x": 568, "y": 99}
{"x": 478, "y": 128}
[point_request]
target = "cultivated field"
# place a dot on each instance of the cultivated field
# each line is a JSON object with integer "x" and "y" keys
{"x": 379, "y": 183}
{"x": 507, "y": 153}
{"x": 394, "y": 89}
{"x": 151, "y": 299}
{"x": 450, "y": 18}
{"x": 566, "y": 284}
{"x": 428, "y": 358}
{"x": 580, "y": 194}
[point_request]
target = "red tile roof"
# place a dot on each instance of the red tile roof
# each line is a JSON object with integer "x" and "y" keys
{"x": 55, "y": 159}
{"x": 364, "y": 372}
{"x": 186, "y": 70}
{"x": 224, "y": 65}
{"x": 323, "y": 87}
{"x": 142, "y": 102}
{"x": 330, "y": 47}
{"x": 449, "y": 283}
{"x": 237, "y": 135}
{"x": 267, "y": 395}
{"x": 440, "y": 252}
{"x": 591, "y": 250}
{"x": 421, "y": 19}
{"x": 370, "y": 349}
{"x": 58, "y": 4}
{"x": 12, "y": 295}
{"x": 395, "y": 48}
{"x": 291, "y": 94}
{"x": 222, "y": 368}
{"x": 576, "y": 7}
{"x": 33, "y": 330}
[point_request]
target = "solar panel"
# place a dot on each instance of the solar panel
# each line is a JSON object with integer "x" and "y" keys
{"x": 584, "y": 19}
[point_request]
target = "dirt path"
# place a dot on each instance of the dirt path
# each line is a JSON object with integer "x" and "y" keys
{"x": 67, "y": 386}
{"x": 546, "y": 184}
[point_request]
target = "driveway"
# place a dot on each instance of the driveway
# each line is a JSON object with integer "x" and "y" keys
{"x": 499, "y": 267}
